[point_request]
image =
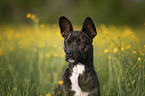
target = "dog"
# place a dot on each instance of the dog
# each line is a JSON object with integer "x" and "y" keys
{"x": 79, "y": 78}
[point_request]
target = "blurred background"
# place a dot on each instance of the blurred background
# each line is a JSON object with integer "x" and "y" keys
{"x": 120, "y": 12}
{"x": 32, "y": 59}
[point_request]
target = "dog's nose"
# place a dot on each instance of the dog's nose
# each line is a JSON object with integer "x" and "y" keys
{"x": 70, "y": 52}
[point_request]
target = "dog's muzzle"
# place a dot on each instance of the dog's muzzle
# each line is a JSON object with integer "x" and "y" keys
{"x": 69, "y": 56}
{"x": 71, "y": 60}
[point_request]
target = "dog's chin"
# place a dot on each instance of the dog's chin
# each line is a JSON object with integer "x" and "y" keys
{"x": 71, "y": 61}
{"x": 75, "y": 60}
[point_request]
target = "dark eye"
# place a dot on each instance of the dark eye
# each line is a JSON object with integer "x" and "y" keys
{"x": 82, "y": 43}
{"x": 66, "y": 43}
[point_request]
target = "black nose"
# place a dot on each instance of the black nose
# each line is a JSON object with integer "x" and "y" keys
{"x": 70, "y": 53}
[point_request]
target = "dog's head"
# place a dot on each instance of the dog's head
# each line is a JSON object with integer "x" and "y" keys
{"x": 77, "y": 44}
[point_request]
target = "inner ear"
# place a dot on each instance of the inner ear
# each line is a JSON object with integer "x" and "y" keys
{"x": 65, "y": 26}
{"x": 89, "y": 27}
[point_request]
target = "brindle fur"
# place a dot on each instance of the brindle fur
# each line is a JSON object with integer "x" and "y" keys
{"x": 78, "y": 46}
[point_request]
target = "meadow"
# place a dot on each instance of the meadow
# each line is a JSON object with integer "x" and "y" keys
{"x": 32, "y": 59}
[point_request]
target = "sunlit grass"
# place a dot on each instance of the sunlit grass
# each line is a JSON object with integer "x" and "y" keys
{"x": 32, "y": 59}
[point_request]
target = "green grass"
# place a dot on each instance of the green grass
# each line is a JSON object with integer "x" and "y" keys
{"x": 32, "y": 64}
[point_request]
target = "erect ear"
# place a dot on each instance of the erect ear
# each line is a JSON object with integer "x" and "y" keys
{"x": 65, "y": 26}
{"x": 89, "y": 27}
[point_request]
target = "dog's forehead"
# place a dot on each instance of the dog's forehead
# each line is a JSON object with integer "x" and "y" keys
{"x": 75, "y": 35}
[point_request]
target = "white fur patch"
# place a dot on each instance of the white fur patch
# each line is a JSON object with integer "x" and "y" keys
{"x": 78, "y": 69}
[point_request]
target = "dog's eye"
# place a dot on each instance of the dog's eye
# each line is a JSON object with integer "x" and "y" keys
{"x": 66, "y": 43}
{"x": 82, "y": 44}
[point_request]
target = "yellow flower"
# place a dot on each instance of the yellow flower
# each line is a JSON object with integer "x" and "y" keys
{"x": 28, "y": 15}
{"x": 115, "y": 49}
{"x": 47, "y": 55}
{"x": 122, "y": 48}
{"x": 47, "y": 95}
{"x": 55, "y": 55}
{"x": 1, "y": 53}
{"x": 60, "y": 82}
{"x": 14, "y": 88}
{"x": 138, "y": 58}
{"x": 106, "y": 51}
{"x": 134, "y": 52}
{"x": 42, "y": 25}
{"x": 33, "y": 16}
{"x": 127, "y": 47}
{"x": 144, "y": 46}
{"x": 36, "y": 20}
{"x": 141, "y": 53}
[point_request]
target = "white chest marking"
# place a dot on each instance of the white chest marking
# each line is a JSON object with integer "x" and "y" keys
{"x": 78, "y": 69}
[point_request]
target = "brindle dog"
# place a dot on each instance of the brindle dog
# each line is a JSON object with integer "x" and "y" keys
{"x": 79, "y": 78}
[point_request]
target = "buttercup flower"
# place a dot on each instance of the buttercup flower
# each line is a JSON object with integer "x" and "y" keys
{"x": 122, "y": 48}
{"x": 36, "y": 20}
{"x": 60, "y": 82}
{"x": 47, "y": 95}
{"x": 106, "y": 51}
{"x": 115, "y": 49}
{"x": 42, "y": 25}
{"x": 14, "y": 88}
{"x": 28, "y": 15}
{"x": 138, "y": 58}
{"x": 134, "y": 52}
{"x": 141, "y": 53}
{"x": 33, "y": 16}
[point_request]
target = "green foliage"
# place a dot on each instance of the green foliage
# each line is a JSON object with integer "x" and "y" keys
{"x": 32, "y": 60}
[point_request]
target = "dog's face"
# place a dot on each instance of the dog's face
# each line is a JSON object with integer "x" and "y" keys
{"x": 77, "y": 44}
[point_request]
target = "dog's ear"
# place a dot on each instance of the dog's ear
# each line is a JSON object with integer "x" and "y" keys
{"x": 89, "y": 28}
{"x": 65, "y": 26}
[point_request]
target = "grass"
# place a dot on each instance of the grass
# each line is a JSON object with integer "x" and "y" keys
{"x": 32, "y": 60}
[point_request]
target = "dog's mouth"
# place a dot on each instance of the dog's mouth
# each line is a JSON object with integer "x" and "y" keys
{"x": 71, "y": 60}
